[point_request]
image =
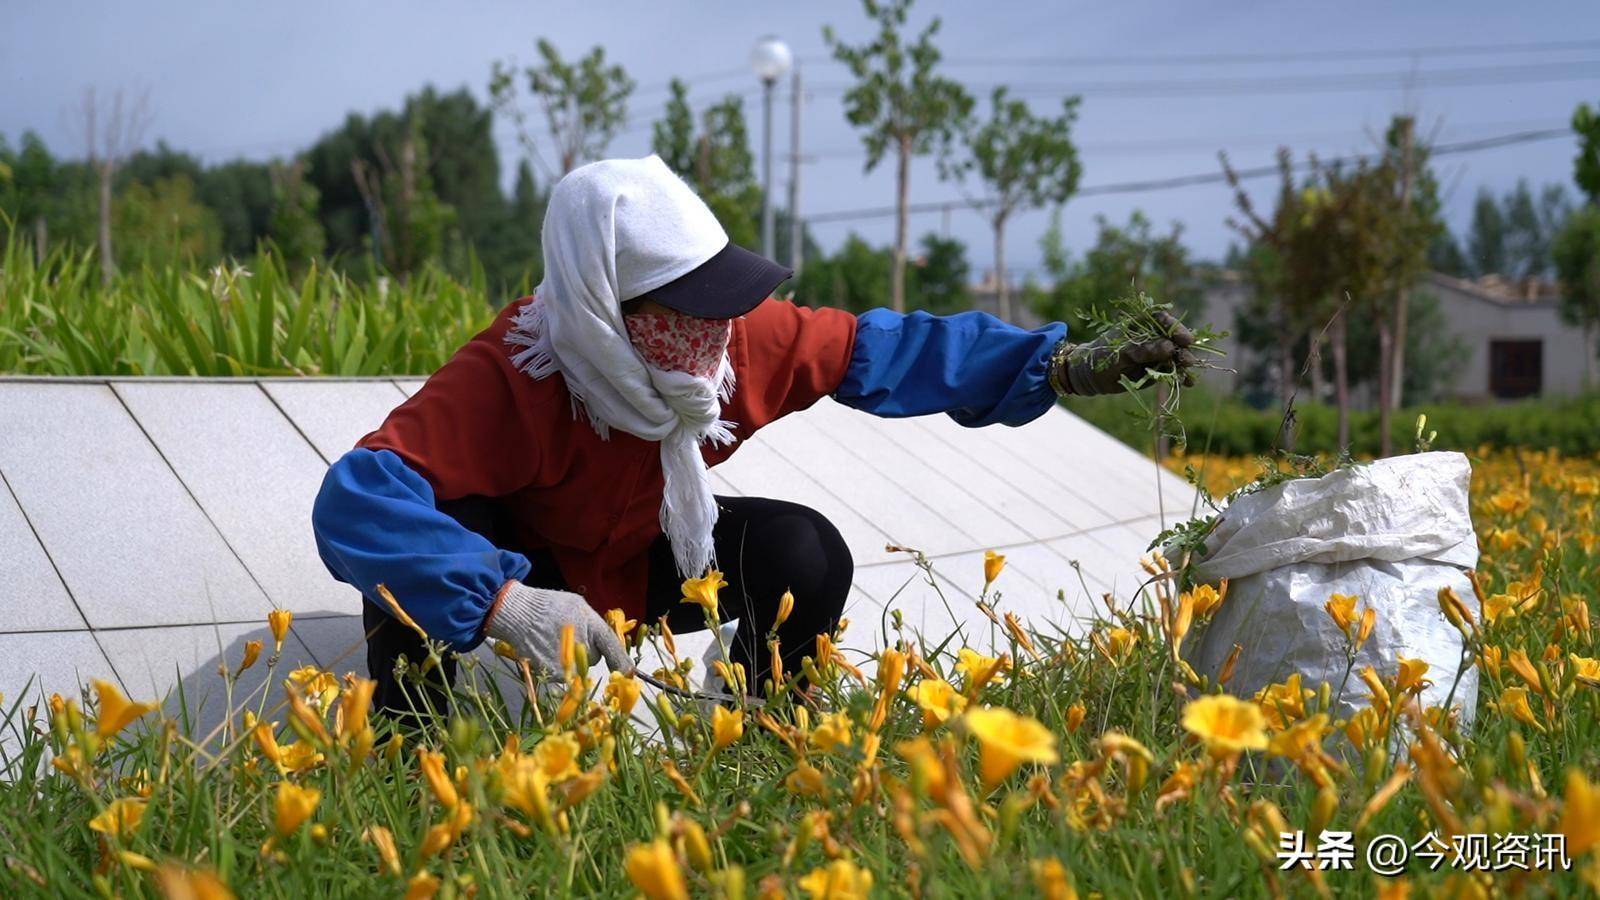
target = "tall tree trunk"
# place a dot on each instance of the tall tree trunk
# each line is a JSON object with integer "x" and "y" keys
{"x": 1385, "y": 386}
{"x": 1004, "y": 290}
{"x": 897, "y": 276}
{"x": 108, "y": 266}
{"x": 1339, "y": 340}
{"x": 1588, "y": 355}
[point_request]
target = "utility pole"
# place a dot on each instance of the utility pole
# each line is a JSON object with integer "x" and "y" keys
{"x": 796, "y": 231}
{"x": 1407, "y": 176}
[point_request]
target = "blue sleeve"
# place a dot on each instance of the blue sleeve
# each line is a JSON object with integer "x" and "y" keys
{"x": 376, "y": 523}
{"x": 974, "y": 366}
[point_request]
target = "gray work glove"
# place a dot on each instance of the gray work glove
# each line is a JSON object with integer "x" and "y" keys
{"x": 530, "y": 619}
{"x": 1097, "y": 368}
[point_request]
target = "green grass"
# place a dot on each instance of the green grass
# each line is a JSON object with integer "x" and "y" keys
{"x": 56, "y": 318}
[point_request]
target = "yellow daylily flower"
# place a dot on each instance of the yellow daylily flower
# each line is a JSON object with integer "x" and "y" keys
{"x": 433, "y": 771}
{"x": 1206, "y": 599}
{"x": 422, "y": 886}
{"x": 191, "y": 884}
{"x": 1410, "y": 674}
{"x": 1514, "y": 703}
{"x": 785, "y": 609}
{"x": 1052, "y": 879}
{"x": 1226, "y": 724}
{"x": 654, "y": 870}
{"x": 120, "y": 819}
{"x": 1342, "y": 610}
{"x": 319, "y": 687}
{"x": 979, "y": 669}
{"x": 252, "y": 652}
{"x": 622, "y": 692}
{"x": 833, "y": 731}
{"x": 938, "y": 700}
{"x": 1006, "y": 741}
{"x": 838, "y": 880}
{"x": 1075, "y": 714}
{"x": 702, "y": 591}
{"x": 292, "y": 806}
{"x": 116, "y": 711}
{"x": 557, "y": 757}
{"x": 1285, "y": 702}
{"x": 993, "y": 564}
{"x": 806, "y": 780}
{"x": 620, "y": 624}
{"x": 726, "y": 726}
{"x": 278, "y": 620}
{"x": 1585, "y": 669}
{"x": 1580, "y": 814}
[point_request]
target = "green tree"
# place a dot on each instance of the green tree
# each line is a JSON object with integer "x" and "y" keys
{"x": 1586, "y": 166}
{"x": 241, "y": 195}
{"x": 1124, "y": 258}
{"x": 461, "y": 163}
{"x": 28, "y": 190}
{"x": 1577, "y": 262}
{"x": 1486, "y": 241}
{"x": 717, "y": 162}
{"x": 1023, "y": 162}
{"x": 899, "y": 102}
{"x": 939, "y": 276}
{"x": 164, "y": 224}
{"x": 294, "y": 226}
{"x": 855, "y": 278}
{"x": 412, "y": 222}
{"x": 583, "y": 103}
{"x": 1511, "y": 234}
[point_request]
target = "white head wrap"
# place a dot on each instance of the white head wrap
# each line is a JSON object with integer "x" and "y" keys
{"x": 614, "y": 230}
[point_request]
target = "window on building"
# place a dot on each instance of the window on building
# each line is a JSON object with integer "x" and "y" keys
{"x": 1516, "y": 368}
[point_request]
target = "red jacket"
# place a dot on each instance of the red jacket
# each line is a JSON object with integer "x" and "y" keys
{"x": 481, "y": 427}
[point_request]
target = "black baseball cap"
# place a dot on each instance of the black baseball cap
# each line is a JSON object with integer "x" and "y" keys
{"x": 729, "y": 284}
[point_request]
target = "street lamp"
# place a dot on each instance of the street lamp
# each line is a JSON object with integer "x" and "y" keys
{"x": 771, "y": 60}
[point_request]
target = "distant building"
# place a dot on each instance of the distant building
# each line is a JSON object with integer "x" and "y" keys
{"x": 1512, "y": 337}
{"x": 1515, "y": 340}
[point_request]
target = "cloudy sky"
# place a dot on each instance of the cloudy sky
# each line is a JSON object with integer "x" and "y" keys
{"x": 1164, "y": 85}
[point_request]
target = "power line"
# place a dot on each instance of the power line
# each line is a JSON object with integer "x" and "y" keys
{"x": 1206, "y": 59}
{"x": 1470, "y": 76}
{"x": 1163, "y": 145}
{"x": 1181, "y": 181}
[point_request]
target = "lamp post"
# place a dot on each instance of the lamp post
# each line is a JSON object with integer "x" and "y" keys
{"x": 771, "y": 60}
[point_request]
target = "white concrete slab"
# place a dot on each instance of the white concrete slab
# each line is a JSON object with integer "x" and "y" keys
{"x": 254, "y": 475}
{"x": 1027, "y": 465}
{"x": 943, "y": 489}
{"x": 980, "y": 478}
{"x": 333, "y": 415}
{"x": 40, "y": 600}
{"x": 801, "y": 441}
{"x": 409, "y": 386}
{"x": 756, "y": 470}
{"x": 34, "y": 666}
{"x": 178, "y": 666}
{"x": 131, "y": 544}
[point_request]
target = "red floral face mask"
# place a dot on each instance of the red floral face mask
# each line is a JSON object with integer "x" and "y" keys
{"x": 679, "y": 343}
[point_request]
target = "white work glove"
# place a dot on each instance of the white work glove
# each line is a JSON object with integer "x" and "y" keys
{"x": 531, "y": 619}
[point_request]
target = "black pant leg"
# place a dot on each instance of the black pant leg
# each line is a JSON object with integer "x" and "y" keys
{"x": 764, "y": 548}
{"x": 404, "y": 697}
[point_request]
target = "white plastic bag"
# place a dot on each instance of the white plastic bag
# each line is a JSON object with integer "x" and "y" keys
{"x": 1392, "y": 532}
